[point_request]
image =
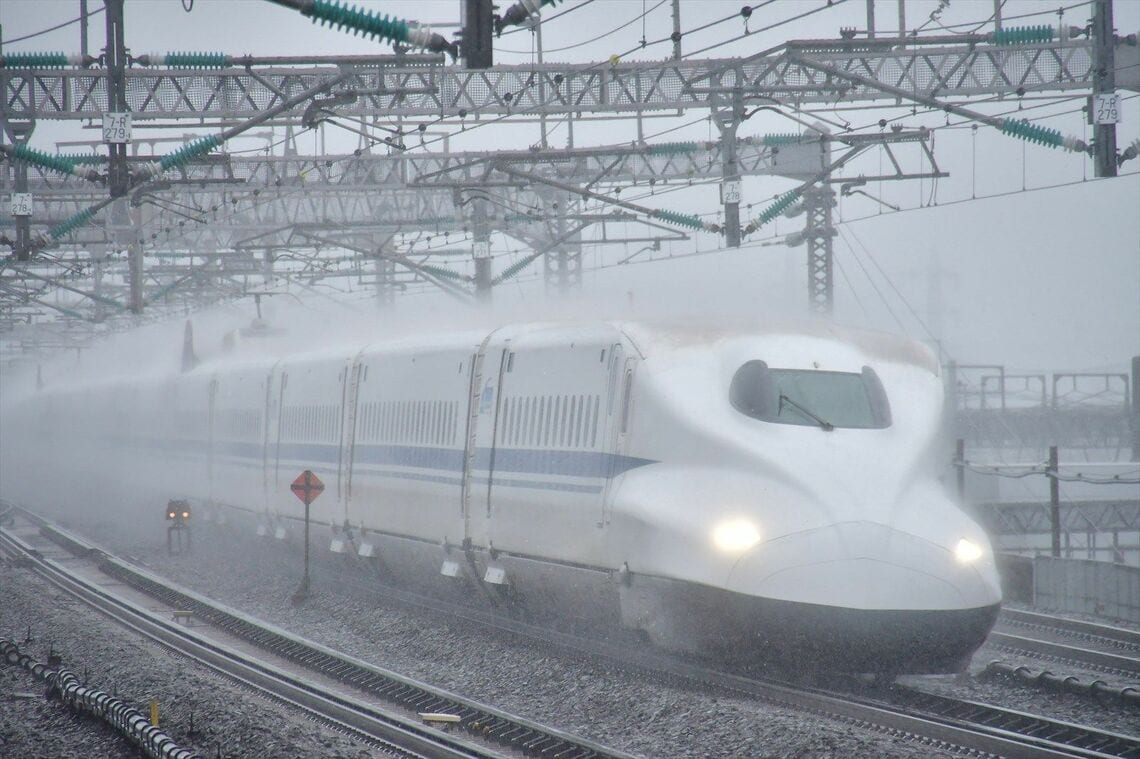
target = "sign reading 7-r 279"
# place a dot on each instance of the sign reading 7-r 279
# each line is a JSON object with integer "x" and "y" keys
{"x": 117, "y": 128}
{"x": 1106, "y": 108}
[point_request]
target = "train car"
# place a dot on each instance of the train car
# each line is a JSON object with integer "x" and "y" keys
{"x": 753, "y": 494}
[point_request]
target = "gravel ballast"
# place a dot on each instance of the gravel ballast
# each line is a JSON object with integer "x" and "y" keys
{"x": 629, "y": 711}
{"x": 228, "y": 720}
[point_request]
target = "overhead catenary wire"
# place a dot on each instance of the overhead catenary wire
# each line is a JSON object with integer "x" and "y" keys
{"x": 53, "y": 28}
{"x": 886, "y": 278}
{"x": 596, "y": 38}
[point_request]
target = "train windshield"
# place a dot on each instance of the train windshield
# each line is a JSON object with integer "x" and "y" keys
{"x": 813, "y": 398}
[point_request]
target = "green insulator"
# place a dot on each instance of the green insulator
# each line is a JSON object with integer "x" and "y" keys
{"x": 1033, "y": 133}
{"x": 84, "y": 159}
{"x": 34, "y": 60}
{"x": 70, "y": 224}
{"x": 189, "y": 151}
{"x": 60, "y": 163}
{"x": 1023, "y": 35}
{"x": 671, "y": 148}
{"x": 785, "y": 138}
{"x": 680, "y": 219}
{"x": 778, "y": 207}
{"x": 515, "y": 268}
{"x": 440, "y": 272}
{"x": 359, "y": 21}
{"x": 195, "y": 60}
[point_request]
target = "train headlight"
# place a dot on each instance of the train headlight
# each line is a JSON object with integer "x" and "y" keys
{"x": 967, "y": 551}
{"x": 735, "y": 535}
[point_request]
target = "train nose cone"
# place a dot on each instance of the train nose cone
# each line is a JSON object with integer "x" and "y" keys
{"x": 864, "y": 565}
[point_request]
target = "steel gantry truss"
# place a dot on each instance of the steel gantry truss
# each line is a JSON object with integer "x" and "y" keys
{"x": 242, "y": 204}
{"x": 421, "y": 87}
{"x": 218, "y": 218}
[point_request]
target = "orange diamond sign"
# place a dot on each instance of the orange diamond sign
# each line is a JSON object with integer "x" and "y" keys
{"x": 307, "y": 487}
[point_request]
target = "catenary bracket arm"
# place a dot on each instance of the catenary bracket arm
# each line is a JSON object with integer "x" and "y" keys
{"x": 1073, "y": 144}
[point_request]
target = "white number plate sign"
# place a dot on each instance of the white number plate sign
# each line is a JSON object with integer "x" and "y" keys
{"x": 117, "y": 128}
{"x": 1106, "y": 108}
{"x": 21, "y": 204}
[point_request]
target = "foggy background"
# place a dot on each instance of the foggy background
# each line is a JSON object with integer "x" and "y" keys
{"x": 1018, "y": 258}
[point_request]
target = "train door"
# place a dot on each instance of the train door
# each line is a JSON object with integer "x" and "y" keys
{"x": 466, "y": 485}
{"x": 212, "y": 395}
{"x": 620, "y": 410}
{"x": 278, "y": 429}
{"x": 354, "y": 374}
{"x": 270, "y": 432}
{"x": 490, "y": 405}
{"x": 310, "y": 433}
{"x": 483, "y": 405}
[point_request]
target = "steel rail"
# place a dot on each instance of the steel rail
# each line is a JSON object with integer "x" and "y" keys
{"x": 1125, "y": 666}
{"x": 487, "y": 723}
{"x": 955, "y": 722}
{"x": 920, "y": 716}
{"x": 1079, "y": 628}
{"x": 390, "y": 731}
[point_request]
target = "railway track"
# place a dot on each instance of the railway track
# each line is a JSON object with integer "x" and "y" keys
{"x": 407, "y": 728}
{"x": 1102, "y": 648}
{"x": 922, "y": 717}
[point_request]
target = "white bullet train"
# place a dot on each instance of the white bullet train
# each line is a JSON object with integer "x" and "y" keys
{"x": 764, "y": 494}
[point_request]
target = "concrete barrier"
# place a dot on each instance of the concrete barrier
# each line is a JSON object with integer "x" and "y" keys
{"x": 1088, "y": 587}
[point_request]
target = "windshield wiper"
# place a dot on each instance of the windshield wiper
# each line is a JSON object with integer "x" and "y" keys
{"x": 823, "y": 424}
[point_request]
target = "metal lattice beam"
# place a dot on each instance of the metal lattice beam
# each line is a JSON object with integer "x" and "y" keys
{"x": 966, "y": 69}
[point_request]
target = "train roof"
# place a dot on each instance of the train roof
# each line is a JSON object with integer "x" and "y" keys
{"x": 655, "y": 337}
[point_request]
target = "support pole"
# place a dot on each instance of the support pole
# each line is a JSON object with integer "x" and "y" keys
{"x": 23, "y": 248}
{"x": 541, "y": 86}
{"x": 960, "y": 465}
{"x": 728, "y": 120}
{"x": 305, "y": 581}
{"x": 818, "y": 202}
{"x": 1135, "y": 417}
{"x": 1104, "y": 83}
{"x": 83, "y": 14}
{"x": 302, "y": 591}
{"x": 135, "y": 266}
{"x": 478, "y": 24}
{"x": 870, "y": 19}
{"x": 481, "y": 250}
{"x": 676, "y": 37}
{"x": 1054, "y": 501}
{"x": 118, "y": 173}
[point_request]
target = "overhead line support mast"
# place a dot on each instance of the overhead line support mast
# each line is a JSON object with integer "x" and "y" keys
{"x": 1103, "y": 84}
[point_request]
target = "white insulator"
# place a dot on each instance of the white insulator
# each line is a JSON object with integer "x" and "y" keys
{"x": 149, "y": 169}
{"x": 419, "y": 36}
{"x": 1074, "y": 144}
{"x": 532, "y": 6}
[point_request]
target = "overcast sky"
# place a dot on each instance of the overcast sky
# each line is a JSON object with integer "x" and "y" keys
{"x": 1042, "y": 280}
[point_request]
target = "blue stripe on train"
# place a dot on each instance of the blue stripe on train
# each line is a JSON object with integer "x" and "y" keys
{"x": 508, "y": 461}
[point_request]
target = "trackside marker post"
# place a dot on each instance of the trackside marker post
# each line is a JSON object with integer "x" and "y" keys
{"x": 306, "y": 487}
